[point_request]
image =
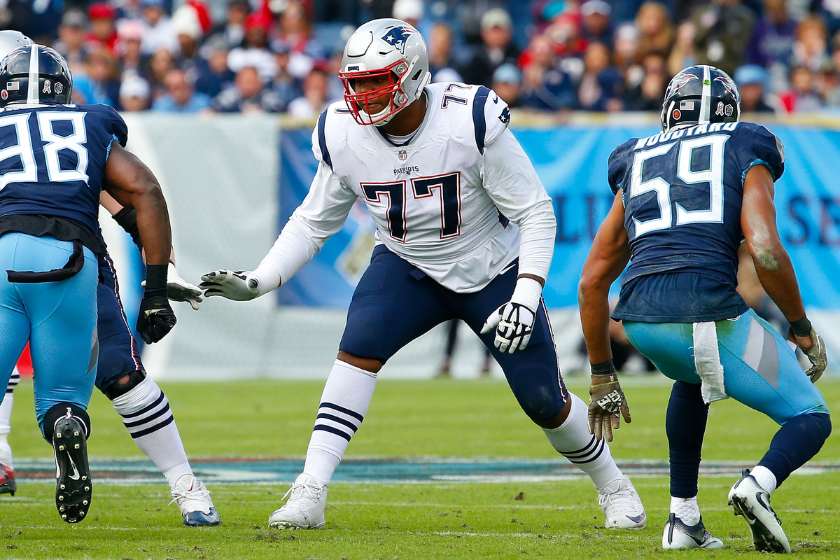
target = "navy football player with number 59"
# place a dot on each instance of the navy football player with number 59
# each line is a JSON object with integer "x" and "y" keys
{"x": 685, "y": 199}
{"x": 55, "y": 160}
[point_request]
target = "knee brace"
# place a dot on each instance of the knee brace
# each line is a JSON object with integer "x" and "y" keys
{"x": 57, "y": 411}
{"x": 117, "y": 389}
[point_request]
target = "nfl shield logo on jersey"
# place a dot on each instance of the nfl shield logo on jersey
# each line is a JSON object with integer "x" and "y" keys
{"x": 403, "y": 154}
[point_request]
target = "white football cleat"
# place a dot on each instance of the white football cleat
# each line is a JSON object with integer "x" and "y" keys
{"x": 621, "y": 505}
{"x": 194, "y": 501}
{"x": 305, "y": 508}
{"x": 749, "y": 499}
{"x": 678, "y": 535}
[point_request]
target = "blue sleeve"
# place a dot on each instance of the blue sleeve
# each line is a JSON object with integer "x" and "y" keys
{"x": 764, "y": 148}
{"x": 112, "y": 122}
{"x": 118, "y": 127}
{"x": 618, "y": 163}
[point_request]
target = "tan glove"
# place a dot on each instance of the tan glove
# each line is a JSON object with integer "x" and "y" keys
{"x": 815, "y": 354}
{"x": 607, "y": 404}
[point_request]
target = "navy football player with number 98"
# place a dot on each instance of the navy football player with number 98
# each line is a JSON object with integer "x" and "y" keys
{"x": 120, "y": 373}
{"x": 685, "y": 199}
{"x": 55, "y": 160}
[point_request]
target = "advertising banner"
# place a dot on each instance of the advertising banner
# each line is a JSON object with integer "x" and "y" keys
{"x": 572, "y": 163}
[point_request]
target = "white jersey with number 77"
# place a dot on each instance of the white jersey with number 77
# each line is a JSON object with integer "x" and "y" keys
{"x": 452, "y": 201}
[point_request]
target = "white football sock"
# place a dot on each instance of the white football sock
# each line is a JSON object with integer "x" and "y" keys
{"x": 5, "y": 428}
{"x": 573, "y": 440}
{"x": 6, "y": 417}
{"x": 765, "y": 478}
{"x": 344, "y": 403}
{"x": 6, "y": 412}
{"x": 686, "y": 509}
{"x": 146, "y": 414}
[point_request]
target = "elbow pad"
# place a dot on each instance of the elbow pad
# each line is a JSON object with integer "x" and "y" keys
{"x": 127, "y": 218}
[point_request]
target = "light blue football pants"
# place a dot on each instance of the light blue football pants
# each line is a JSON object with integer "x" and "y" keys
{"x": 58, "y": 318}
{"x": 759, "y": 367}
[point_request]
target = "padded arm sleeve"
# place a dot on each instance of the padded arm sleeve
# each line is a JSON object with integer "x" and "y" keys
{"x": 512, "y": 183}
{"x": 127, "y": 218}
{"x": 321, "y": 214}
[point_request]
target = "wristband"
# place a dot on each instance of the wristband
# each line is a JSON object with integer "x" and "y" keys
{"x": 127, "y": 218}
{"x": 155, "y": 280}
{"x": 267, "y": 277}
{"x": 528, "y": 293}
{"x": 802, "y": 327}
{"x": 603, "y": 368}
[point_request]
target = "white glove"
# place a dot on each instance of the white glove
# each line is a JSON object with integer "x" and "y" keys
{"x": 178, "y": 289}
{"x": 237, "y": 285}
{"x": 514, "y": 321}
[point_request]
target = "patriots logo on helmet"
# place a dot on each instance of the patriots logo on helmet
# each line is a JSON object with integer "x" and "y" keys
{"x": 397, "y": 37}
{"x": 728, "y": 86}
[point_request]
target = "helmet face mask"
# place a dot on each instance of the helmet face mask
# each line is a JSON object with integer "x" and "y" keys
{"x": 359, "y": 103}
{"x": 379, "y": 49}
{"x": 698, "y": 95}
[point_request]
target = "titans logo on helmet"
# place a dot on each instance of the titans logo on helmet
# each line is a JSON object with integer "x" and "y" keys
{"x": 679, "y": 81}
{"x": 728, "y": 86}
{"x": 397, "y": 36}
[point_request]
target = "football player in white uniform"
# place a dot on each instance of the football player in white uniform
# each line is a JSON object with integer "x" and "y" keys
{"x": 465, "y": 230}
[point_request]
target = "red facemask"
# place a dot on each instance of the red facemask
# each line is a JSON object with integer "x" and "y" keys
{"x": 359, "y": 103}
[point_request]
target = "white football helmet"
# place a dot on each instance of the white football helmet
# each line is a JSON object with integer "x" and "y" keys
{"x": 10, "y": 40}
{"x": 384, "y": 47}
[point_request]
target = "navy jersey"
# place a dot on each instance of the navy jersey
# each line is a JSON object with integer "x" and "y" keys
{"x": 52, "y": 160}
{"x": 682, "y": 194}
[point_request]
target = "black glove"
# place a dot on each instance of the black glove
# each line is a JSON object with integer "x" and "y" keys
{"x": 156, "y": 317}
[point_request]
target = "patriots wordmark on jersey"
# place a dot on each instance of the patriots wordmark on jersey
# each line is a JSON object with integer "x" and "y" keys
{"x": 436, "y": 200}
{"x": 682, "y": 193}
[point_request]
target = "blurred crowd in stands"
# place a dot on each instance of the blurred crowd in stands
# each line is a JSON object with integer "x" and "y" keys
{"x": 545, "y": 55}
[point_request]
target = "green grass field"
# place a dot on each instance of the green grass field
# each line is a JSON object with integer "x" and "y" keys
{"x": 559, "y": 519}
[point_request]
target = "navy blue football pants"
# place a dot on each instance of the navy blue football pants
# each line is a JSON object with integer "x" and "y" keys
{"x": 395, "y": 302}
{"x": 118, "y": 351}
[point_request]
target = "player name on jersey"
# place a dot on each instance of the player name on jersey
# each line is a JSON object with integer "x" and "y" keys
{"x": 684, "y": 133}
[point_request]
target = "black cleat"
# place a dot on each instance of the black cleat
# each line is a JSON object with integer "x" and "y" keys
{"x": 751, "y": 501}
{"x": 73, "y": 488}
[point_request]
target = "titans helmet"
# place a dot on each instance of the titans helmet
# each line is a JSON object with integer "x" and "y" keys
{"x": 10, "y": 40}
{"x": 384, "y": 48}
{"x": 35, "y": 75}
{"x": 700, "y": 94}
